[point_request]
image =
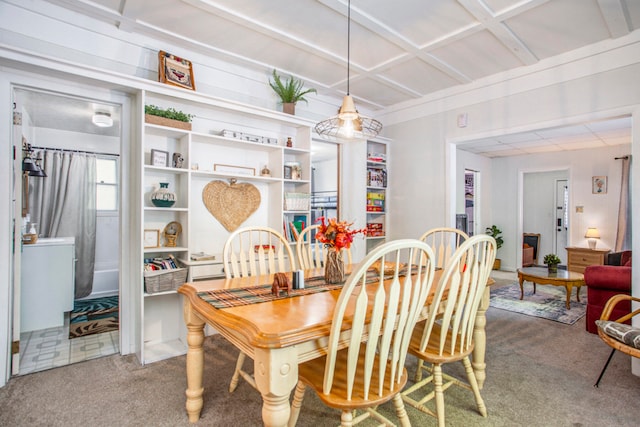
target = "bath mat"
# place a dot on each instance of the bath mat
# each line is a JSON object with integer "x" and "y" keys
{"x": 548, "y": 302}
{"x": 94, "y": 316}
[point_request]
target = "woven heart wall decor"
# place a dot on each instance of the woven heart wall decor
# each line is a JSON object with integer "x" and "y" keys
{"x": 231, "y": 204}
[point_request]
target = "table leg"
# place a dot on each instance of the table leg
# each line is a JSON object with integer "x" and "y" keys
{"x": 480, "y": 338}
{"x": 578, "y": 293}
{"x": 195, "y": 362}
{"x": 521, "y": 280}
{"x": 568, "y": 303}
{"x": 276, "y": 374}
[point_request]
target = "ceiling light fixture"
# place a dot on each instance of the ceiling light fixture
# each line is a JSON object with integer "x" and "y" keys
{"x": 348, "y": 124}
{"x": 102, "y": 119}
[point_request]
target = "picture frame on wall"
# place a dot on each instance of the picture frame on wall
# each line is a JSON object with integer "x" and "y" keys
{"x": 176, "y": 71}
{"x": 599, "y": 185}
{"x": 159, "y": 158}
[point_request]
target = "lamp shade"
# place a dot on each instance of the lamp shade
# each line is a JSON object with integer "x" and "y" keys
{"x": 592, "y": 233}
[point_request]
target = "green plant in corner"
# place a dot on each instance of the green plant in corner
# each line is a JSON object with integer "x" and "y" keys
{"x": 168, "y": 113}
{"x": 291, "y": 90}
{"x": 496, "y": 233}
{"x": 552, "y": 259}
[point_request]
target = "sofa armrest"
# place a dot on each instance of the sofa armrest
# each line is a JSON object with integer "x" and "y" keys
{"x": 608, "y": 277}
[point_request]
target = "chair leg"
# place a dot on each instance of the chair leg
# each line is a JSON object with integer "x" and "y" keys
{"x": 605, "y": 368}
{"x": 401, "y": 412}
{"x": 418, "y": 375}
{"x": 236, "y": 373}
{"x": 437, "y": 382}
{"x": 296, "y": 404}
{"x": 346, "y": 420}
{"x": 471, "y": 376}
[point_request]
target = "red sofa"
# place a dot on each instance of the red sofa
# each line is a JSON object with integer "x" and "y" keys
{"x": 605, "y": 281}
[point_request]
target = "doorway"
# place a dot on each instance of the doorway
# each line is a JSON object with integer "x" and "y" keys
{"x": 545, "y": 204}
{"x": 54, "y": 130}
{"x": 324, "y": 180}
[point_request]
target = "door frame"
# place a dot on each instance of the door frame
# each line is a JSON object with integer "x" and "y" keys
{"x": 66, "y": 87}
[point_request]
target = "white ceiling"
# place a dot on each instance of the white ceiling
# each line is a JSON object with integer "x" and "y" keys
{"x": 400, "y": 50}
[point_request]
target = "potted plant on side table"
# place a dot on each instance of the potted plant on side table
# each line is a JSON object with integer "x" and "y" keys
{"x": 552, "y": 261}
{"x": 289, "y": 91}
{"x": 496, "y": 233}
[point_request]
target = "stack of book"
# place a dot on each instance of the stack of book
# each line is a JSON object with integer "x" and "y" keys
{"x": 375, "y": 229}
{"x": 159, "y": 263}
{"x": 375, "y": 202}
{"x": 377, "y": 177}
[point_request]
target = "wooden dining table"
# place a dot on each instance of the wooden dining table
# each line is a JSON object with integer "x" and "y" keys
{"x": 277, "y": 334}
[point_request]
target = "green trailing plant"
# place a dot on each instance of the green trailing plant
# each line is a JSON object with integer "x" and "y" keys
{"x": 496, "y": 233}
{"x": 168, "y": 113}
{"x": 551, "y": 259}
{"x": 291, "y": 90}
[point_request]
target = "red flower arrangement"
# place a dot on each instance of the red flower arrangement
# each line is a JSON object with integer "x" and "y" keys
{"x": 336, "y": 235}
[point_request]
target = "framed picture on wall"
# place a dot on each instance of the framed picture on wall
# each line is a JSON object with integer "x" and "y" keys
{"x": 175, "y": 71}
{"x": 599, "y": 185}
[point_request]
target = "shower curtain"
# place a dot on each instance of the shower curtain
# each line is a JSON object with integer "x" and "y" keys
{"x": 63, "y": 204}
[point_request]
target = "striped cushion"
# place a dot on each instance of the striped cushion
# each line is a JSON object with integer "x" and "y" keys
{"x": 624, "y": 333}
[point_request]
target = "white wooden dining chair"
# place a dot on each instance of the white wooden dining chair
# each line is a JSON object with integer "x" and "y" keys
{"x": 253, "y": 251}
{"x": 444, "y": 241}
{"x": 447, "y": 334}
{"x": 361, "y": 374}
{"x": 311, "y": 252}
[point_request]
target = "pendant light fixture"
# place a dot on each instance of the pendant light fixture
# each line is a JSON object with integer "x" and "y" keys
{"x": 348, "y": 124}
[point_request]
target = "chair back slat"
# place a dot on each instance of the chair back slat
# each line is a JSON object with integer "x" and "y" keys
{"x": 253, "y": 251}
{"x": 394, "y": 303}
{"x": 444, "y": 241}
{"x": 463, "y": 282}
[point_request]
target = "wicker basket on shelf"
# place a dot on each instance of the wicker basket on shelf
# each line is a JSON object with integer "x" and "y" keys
{"x": 164, "y": 280}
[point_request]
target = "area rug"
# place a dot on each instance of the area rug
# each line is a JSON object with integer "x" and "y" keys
{"x": 94, "y": 316}
{"x": 548, "y": 302}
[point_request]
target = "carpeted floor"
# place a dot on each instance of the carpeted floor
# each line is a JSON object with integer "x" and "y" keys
{"x": 549, "y": 302}
{"x": 94, "y": 316}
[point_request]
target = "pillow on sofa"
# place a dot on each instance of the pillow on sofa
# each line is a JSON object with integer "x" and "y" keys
{"x": 624, "y": 333}
{"x": 628, "y": 263}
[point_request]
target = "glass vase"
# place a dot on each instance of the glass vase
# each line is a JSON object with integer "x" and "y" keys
{"x": 162, "y": 197}
{"x": 334, "y": 267}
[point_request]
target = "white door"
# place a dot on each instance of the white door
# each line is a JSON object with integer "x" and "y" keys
{"x": 562, "y": 219}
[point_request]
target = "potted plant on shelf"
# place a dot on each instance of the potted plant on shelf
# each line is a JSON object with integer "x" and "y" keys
{"x": 552, "y": 261}
{"x": 167, "y": 117}
{"x": 496, "y": 233}
{"x": 289, "y": 91}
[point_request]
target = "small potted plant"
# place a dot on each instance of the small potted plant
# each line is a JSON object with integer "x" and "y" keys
{"x": 496, "y": 233}
{"x": 552, "y": 261}
{"x": 167, "y": 117}
{"x": 289, "y": 91}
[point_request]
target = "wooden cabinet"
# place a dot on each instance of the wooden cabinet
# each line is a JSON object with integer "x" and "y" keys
{"x": 229, "y": 143}
{"x": 580, "y": 258}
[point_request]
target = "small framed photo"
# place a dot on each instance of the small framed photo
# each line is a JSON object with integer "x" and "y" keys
{"x": 287, "y": 172}
{"x": 159, "y": 158}
{"x": 599, "y": 185}
{"x": 151, "y": 238}
{"x": 234, "y": 170}
{"x": 175, "y": 71}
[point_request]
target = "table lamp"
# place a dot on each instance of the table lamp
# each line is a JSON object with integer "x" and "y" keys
{"x": 592, "y": 234}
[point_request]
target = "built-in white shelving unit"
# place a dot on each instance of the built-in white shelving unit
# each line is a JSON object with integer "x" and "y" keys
{"x": 377, "y": 195}
{"x": 211, "y": 154}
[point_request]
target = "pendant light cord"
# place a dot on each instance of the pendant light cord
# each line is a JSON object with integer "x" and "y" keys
{"x": 348, "y": 43}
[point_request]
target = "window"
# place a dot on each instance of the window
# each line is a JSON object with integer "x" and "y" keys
{"x": 107, "y": 184}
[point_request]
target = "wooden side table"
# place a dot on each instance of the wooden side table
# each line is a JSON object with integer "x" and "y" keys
{"x": 581, "y": 258}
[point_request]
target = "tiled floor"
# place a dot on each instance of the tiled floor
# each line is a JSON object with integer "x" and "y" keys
{"x": 52, "y": 348}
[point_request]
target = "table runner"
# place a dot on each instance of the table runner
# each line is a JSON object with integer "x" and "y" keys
{"x": 224, "y": 298}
